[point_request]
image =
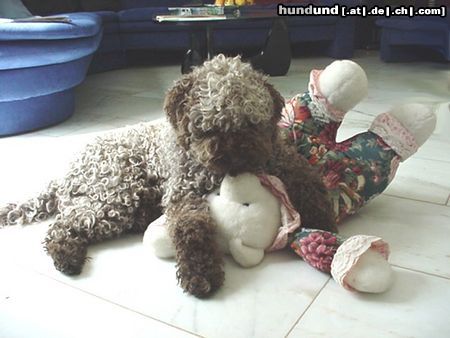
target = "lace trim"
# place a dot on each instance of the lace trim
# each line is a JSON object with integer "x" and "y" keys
{"x": 348, "y": 254}
{"x": 290, "y": 218}
{"x": 395, "y": 135}
{"x": 320, "y": 107}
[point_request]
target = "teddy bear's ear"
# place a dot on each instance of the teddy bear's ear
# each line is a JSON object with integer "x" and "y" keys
{"x": 177, "y": 99}
{"x": 278, "y": 101}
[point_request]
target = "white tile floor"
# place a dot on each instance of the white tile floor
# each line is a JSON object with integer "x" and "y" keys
{"x": 125, "y": 292}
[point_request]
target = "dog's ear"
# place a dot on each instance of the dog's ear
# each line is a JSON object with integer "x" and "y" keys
{"x": 278, "y": 101}
{"x": 177, "y": 99}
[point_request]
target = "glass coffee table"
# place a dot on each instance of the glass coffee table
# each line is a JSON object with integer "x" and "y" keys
{"x": 274, "y": 58}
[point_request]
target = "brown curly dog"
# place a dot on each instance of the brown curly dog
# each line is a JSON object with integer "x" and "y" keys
{"x": 221, "y": 118}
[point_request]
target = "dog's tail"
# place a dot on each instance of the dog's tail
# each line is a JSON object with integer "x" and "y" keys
{"x": 34, "y": 210}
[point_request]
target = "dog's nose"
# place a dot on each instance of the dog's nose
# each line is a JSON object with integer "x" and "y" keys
{"x": 241, "y": 165}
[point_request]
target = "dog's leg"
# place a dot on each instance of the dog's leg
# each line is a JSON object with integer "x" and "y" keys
{"x": 199, "y": 261}
{"x": 149, "y": 210}
{"x": 66, "y": 246}
{"x": 78, "y": 226}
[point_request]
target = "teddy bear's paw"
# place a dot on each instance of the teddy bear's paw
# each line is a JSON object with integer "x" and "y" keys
{"x": 244, "y": 255}
{"x": 361, "y": 264}
{"x": 343, "y": 84}
{"x": 372, "y": 273}
{"x": 405, "y": 127}
{"x": 417, "y": 118}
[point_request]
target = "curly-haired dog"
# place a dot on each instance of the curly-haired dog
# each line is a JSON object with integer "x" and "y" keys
{"x": 221, "y": 118}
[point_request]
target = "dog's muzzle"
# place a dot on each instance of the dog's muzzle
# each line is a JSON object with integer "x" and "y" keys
{"x": 236, "y": 154}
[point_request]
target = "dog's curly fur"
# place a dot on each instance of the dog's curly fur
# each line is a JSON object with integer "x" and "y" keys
{"x": 221, "y": 118}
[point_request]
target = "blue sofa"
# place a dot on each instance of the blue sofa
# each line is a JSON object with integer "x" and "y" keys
{"x": 137, "y": 30}
{"x": 111, "y": 51}
{"x": 40, "y": 64}
{"x": 409, "y": 39}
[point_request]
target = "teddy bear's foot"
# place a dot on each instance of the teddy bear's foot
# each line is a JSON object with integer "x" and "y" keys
{"x": 339, "y": 87}
{"x": 360, "y": 264}
{"x": 244, "y": 255}
{"x": 405, "y": 128}
{"x": 372, "y": 273}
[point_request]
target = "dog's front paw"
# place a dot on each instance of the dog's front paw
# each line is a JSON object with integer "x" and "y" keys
{"x": 200, "y": 277}
{"x": 202, "y": 286}
{"x": 199, "y": 261}
{"x": 68, "y": 254}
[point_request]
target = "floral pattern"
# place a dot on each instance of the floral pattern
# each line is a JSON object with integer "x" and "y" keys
{"x": 316, "y": 247}
{"x": 354, "y": 171}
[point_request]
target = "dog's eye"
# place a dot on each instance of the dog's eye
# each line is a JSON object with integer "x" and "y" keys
{"x": 217, "y": 193}
{"x": 246, "y": 204}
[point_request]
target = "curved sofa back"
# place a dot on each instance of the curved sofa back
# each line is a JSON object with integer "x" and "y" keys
{"x": 40, "y": 64}
{"x": 37, "y": 64}
{"x": 33, "y": 44}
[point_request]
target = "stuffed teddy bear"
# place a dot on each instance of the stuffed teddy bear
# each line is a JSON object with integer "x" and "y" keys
{"x": 250, "y": 219}
{"x": 254, "y": 215}
{"x": 358, "y": 169}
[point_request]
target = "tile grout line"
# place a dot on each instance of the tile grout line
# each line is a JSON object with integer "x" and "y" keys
{"x": 422, "y": 272}
{"x": 111, "y": 302}
{"x": 416, "y": 200}
{"x": 307, "y": 308}
{"x": 323, "y": 287}
{"x": 364, "y": 113}
{"x": 431, "y": 159}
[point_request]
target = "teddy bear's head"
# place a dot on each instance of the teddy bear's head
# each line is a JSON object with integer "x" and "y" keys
{"x": 253, "y": 215}
{"x": 243, "y": 208}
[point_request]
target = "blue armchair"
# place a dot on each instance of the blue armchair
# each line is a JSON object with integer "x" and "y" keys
{"x": 40, "y": 64}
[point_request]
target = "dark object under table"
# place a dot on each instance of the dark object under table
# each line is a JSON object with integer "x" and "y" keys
{"x": 274, "y": 58}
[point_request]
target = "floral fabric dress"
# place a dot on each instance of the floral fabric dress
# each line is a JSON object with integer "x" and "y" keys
{"x": 354, "y": 171}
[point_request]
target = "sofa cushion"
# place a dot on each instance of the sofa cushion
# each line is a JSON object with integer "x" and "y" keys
{"x": 417, "y": 23}
{"x": 37, "y": 44}
{"x": 111, "y": 32}
{"x": 13, "y": 9}
{"x": 110, "y": 21}
{"x": 82, "y": 25}
{"x": 25, "y": 45}
{"x": 100, "y": 5}
{"x": 50, "y": 7}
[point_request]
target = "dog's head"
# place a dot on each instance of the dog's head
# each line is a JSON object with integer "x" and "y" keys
{"x": 225, "y": 115}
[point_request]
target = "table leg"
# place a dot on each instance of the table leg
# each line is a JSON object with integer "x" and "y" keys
{"x": 195, "y": 56}
{"x": 209, "y": 42}
{"x": 202, "y": 47}
{"x": 275, "y": 58}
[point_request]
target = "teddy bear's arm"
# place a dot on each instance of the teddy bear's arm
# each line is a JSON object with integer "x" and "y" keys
{"x": 245, "y": 255}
